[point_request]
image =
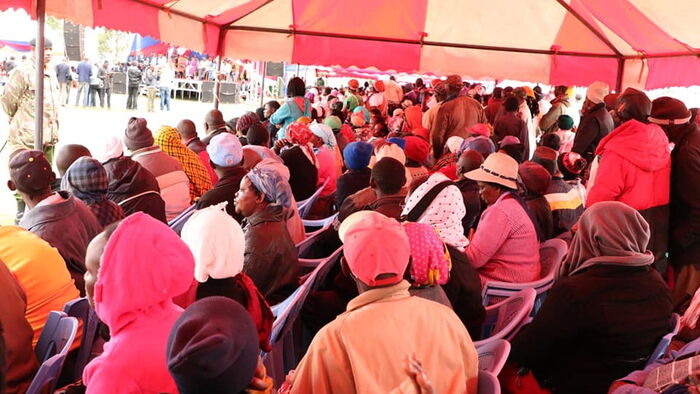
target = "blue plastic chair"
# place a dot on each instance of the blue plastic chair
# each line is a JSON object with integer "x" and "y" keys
{"x": 60, "y": 339}
{"x": 47, "y": 346}
{"x": 493, "y": 355}
{"x": 504, "y": 320}
{"x": 319, "y": 223}
{"x": 488, "y": 383}
{"x": 665, "y": 341}
{"x": 311, "y": 238}
{"x": 552, "y": 253}
{"x": 283, "y": 356}
{"x": 179, "y": 222}
{"x": 80, "y": 309}
{"x": 304, "y": 206}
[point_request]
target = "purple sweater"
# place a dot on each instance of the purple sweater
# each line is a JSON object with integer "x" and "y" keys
{"x": 505, "y": 246}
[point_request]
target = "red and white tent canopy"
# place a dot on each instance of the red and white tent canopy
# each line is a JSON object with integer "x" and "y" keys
{"x": 647, "y": 43}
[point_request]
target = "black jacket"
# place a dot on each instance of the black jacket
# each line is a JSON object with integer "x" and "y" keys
{"x": 270, "y": 257}
{"x": 685, "y": 196}
{"x": 303, "y": 173}
{"x": 472, "y": 202}
{"x": 225, "y": 190}
{"x": 134, "y": 188}
{"x": 350, "y": 183}
{"x": 133, "y": 76}
{"x": 595, "y": 124}
{"x": 594, "y": 327}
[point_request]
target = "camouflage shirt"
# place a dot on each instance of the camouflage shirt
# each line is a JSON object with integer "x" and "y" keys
{"x": 18, "y": 100}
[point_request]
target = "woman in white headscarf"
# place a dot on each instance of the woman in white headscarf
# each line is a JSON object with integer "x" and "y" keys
{"x": 217, "y": 243}
{"x": 330, "y": 160}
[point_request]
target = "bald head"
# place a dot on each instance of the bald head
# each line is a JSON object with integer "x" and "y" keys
{"x": 469, "y": 160}
{"x": 213, "y": 120}
{"x": 187, "y": 129}
{"x": 67, "y": 154}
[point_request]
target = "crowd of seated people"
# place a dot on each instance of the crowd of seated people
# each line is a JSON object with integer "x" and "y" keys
{"x": 185, "y": 241}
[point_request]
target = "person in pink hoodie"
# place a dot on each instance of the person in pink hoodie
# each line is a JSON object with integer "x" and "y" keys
{"x": 633, "y": 166}
{"x": 134, "y": 269}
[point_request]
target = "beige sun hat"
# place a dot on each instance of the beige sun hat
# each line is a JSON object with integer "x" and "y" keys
{"x": 497, "y": 168}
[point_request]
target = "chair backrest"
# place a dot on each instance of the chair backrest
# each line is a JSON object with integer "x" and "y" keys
{"x": 319, "y": 223}
{"x": 80, "y": 309}
{"x": 46, "y": 345}
{"x": 179, "y": 222}
{"x": 503, "y": 320}
{"x": 309, "y": 241}
{"x": 47, "y": 376}
{"x": 304, "y": 206}
{"x": 665, "y": 341}
{"x": 288, "y": 310}
{"x": 552, "y": 253}
{"x": 493, "y": 355}
{"x": 61, "y": 339}
{"x": 488, "y": 383}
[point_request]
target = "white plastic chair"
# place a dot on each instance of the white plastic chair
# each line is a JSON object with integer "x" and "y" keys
{"x": 304, "y": 206}
{"x": 57, "y": 343}
{"x": 504, "y": 320}
{"x": 552, "y": 253}
{"x": 488, "y": 383}
{"x": 665, "y": 341}
{"x": 493, "y": 355}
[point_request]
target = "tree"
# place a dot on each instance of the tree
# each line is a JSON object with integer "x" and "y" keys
{"x": 111, "y": 44}
{"x": 54, "y": 23}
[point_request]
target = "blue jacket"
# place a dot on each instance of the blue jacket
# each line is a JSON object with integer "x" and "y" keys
{"x": 84, "y": 72}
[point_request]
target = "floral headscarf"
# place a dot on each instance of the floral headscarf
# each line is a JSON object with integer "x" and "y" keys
{"x": 272, "y": 184}
{"x": 299, "y": 133}
{"x": 431, "y": 261}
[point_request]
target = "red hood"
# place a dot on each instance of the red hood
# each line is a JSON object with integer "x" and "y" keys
{"x": 644, "y": 145}
{"x": 144, "y": 265}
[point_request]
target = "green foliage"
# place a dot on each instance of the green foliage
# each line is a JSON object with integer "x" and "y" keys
{"x": 110, "y": 43}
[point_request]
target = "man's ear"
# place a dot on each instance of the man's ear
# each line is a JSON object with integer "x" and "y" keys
{"x": 372, "y": 183}
{"x": 11, "y": 185}
{"x": 52, "y": 177}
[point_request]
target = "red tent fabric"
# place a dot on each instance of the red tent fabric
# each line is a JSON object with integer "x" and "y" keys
{"x": 643, "y": 43}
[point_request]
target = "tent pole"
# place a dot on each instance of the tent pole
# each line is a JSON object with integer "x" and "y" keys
{"x": 620, "y": 73}
{"x": 262, "y": 86}
{"x": 217, "y": 83}
{"x": 39, "y": 59}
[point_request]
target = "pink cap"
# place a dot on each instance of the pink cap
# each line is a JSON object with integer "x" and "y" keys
{"x": 376, "y": 245}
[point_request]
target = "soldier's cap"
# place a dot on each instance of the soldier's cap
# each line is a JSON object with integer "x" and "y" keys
{"x": 31, "y": 172}
{"x": 47, "y": 43}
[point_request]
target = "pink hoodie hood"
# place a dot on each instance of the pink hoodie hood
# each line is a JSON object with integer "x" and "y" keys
{"x": 144, "y": 265}
{"x": 644, "y": 145}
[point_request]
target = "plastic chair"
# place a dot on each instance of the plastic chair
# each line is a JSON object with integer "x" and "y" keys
{"x": 488, "y": 383}
{"x": 50, "y": 342}
{"x": 493, "y": 356}
{"x": 320, "y": 223}
{"x": 304, "y": 206}
{"x": 309, "y": 241}
{"x": 49, "y": 372}
{"x": 504, "y": 320}
{"x": 179, "y": 222}
{"x": 80, "y": 309}
{"x": 283, "y": 356}
{"x": 552, "y": 253}
{"x": 665, "y": 341}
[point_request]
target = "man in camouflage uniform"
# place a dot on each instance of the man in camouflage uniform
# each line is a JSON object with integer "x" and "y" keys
{"x": 18, "y": 100}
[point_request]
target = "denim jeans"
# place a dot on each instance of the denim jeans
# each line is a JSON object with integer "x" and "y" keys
{"x": 164, "y": 98}
{"x": 83, "y": 87}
